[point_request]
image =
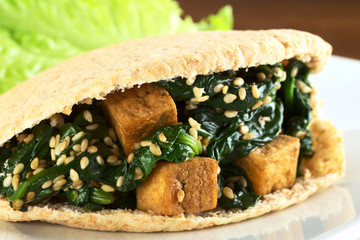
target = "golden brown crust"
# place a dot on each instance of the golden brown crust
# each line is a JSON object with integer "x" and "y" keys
{"x": 97, "y": 73}
{"x": 138, "y": 221}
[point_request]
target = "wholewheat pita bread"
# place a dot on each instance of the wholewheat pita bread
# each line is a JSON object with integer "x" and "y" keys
{"x": 97, "y": 73}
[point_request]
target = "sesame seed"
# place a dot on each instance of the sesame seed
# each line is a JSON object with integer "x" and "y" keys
{"x": 294, "y": 72}
{"x": 193, "y": 132}
{"x": 47, "y": 184}
{"x": 84, "y": 162}
{"x": 145, "y": 143}
{"x": 7, "y": 181}
{"x": 218, "y": 88}
{"x": 300, "y": 134}
{"x": 248, "y": 136}
{"x": 29, "y": 175}
{"x": 155, "y": 149}
{"x": 229, "y": 98}
{"x": 57, "y": 185}
{"x": 130, "y": 158}
{"x": 262, "y": 121}
{"x": 244, "y": 129}
{"x": 218, "y": 170}
{"x": 120, "y": 181}
{"x": 77, "y": 136}
{"x": 108, "y": 141}
{"x": 15, "y": 181}
{"x": 84, "y": 145}
{"x": 93, "y": 141}
{"x": 180, "y": 195}
{"x": 21, "y": 137}
{"x": 92, "y": 127}
{"x": 230, "y": 113}
{"x": 29, "y": 138}
{"x": 63, "y": 145}
{"x": 112, "y": 159}
{"x": 199, "y": 99}
{"x": 61, "y": 160}
{"x": 69, "y": 160}
{"x": 92, "y": 149}
{"x": 257, "y": 105}
{"x": 198, "y": 92}
{"x": 162, "y": 137}
{"x": 112, "y": 134}
{"x": 117, "y": 163}
{"x": 57, "y": 138}
{"x": 58, "y": 178}
{"x": 74, "y": 176}
{"x": 100, "y": 160}
{"x": 107, "y": 188}
{"x": 191, "y": 106}
{"x": 52, "y": 142}
{"x": 138, "y": 173}
{"x": 243, "y": 181}
{"x": 299, "y": 84}
{"x": 34, "y": 163}
{"x": 38, "y": 170}
{"x": 267, "y": 100}
{"x": 78, "y": 185}
{"x": 18, "y": 168}
{"x": 225, "y": 89}
{"x": 190, "y": 81}
{"x": 283, "y": 77}
{"x": 57, "y": 120}
{"x": 193, "y": 123}
{"x": 228, "y": 192}
{"x": 17, "y": 204}
{"x": 261, "y": 76}
{"x": 255, "y": 91}
{"x": 278, "y": 72}
{"x": 205, "y": 142}
{"x": 77, "y": 147}
{"x": 57, "y": 150}
{"x": 238, "y": 81}
{"x": 242, "y": 93}
{"x": 88, "y": 117}
{"x": 30, "y": 196}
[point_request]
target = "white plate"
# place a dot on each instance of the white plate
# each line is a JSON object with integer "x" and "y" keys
{"x": 329, "y": 214}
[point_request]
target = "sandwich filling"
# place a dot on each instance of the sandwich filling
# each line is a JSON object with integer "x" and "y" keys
{"x": 209, "y": 141}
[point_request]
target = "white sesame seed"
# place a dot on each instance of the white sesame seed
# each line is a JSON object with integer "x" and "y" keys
{"x": 62, "y": 146}
{"x": 255, "y": 91}
{"x": 92, "y": 149}
{"x": 112, "y": 159}
{"x": 117, "y": 163}
{"x": 30, "y": 196}
{"x": 18, "y": 168}
{"x": 77, "y": 147}
{"x": 229, "y": 98}
{"x": 155, "y": 149}
{"x": 15, "y": 181}
{"x": 205, "y": 142}
{"x": 130, "y": 158}
{"x": 162, "y": 137}
{"x": 230, "y": 113}
{"x": 294, "y": 72}
{"x": 180, "y": 195}
{"x": 29, "y": 175}
{"x": 243, "y": 181}
{"x": 17, "y": 204}
{"x": 193, "y": 132}
{"x": 78, "y": 185}
{"x": 38, "y": 170}
{"x": 299, "y": 84}
{"x": 199, "y": 99}
{"x": 77, "y": 136}
{"x": 88, "y": 117}
{"x": 108, "y": 141}
{"x": 92, "y": 127}
{"x": 244, "y": 129}
{"x": 257, "y": 105}
{"x": 225, "y": 89}
{"x": 57, "y": 185}
{"x": 120, "y": 181}
{"x": 262, "y": 121}
{"x": 218, "y": 88}
{"x": 278, "y": 72}
{"x": 138, "y": 173}
{"x": 100, "y": 160}
{"x": 193, "y": 123}
{"x": 248, "y": 136}
{"x": 52, "y": 142}
{"x": 238, "y": 81}
{"x": 34, "y": 163}
{"x": 74, "y": 176}
{"x": 29, "y": 138}
{"x": 283, "y": 77}
{"x": 58, "y": 178}
{"x": 261, "y": 76}
{"x": 47, "y": 184}
{"x": 228, "y": 192}
{"x": 84, "y": 145}
{"x": 145, "y": 143}
{"x": 190, "y": 81}
{"x": 84, "y": 162}
{"x": 242, "y": 93}
{"x": 107, "y": 188}
{"x": 198, "y": 92}
{"x": 21, "y": 137}
{"x": 69, "y": 160}
{"x": 7, "y": 181}
{"x": 218, "y": 170}
{"x": 57, "y": 139}
{"x": 267, "y": 100}
{"x": 112, "y": 134}
{"x": 61, "y": 160}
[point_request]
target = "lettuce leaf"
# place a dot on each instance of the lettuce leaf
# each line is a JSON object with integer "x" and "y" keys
{"x": 35, "y": 35}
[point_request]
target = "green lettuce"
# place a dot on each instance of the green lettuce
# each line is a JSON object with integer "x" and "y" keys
{"x": 35, "y": 35}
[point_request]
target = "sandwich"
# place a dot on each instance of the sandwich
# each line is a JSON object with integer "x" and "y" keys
{"x": 169, "y": 133}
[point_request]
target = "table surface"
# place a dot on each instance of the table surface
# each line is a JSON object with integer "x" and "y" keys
{"x": 338, "y": 22}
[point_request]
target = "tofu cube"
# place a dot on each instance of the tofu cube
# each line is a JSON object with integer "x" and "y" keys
{"x": 187, "y": 187}
{"x": 138, "y": 112}
{"x": 272, "y": 166}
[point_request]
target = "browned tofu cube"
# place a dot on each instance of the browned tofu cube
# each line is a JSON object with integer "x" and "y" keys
{"x": 272, "y": 166}
{"x": 138, "y": 112}
{"x": 187, "y": 187}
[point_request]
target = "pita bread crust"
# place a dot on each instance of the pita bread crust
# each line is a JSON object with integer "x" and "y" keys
{"x": 138, "y": 221}
{"x": 97, "y": 73}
